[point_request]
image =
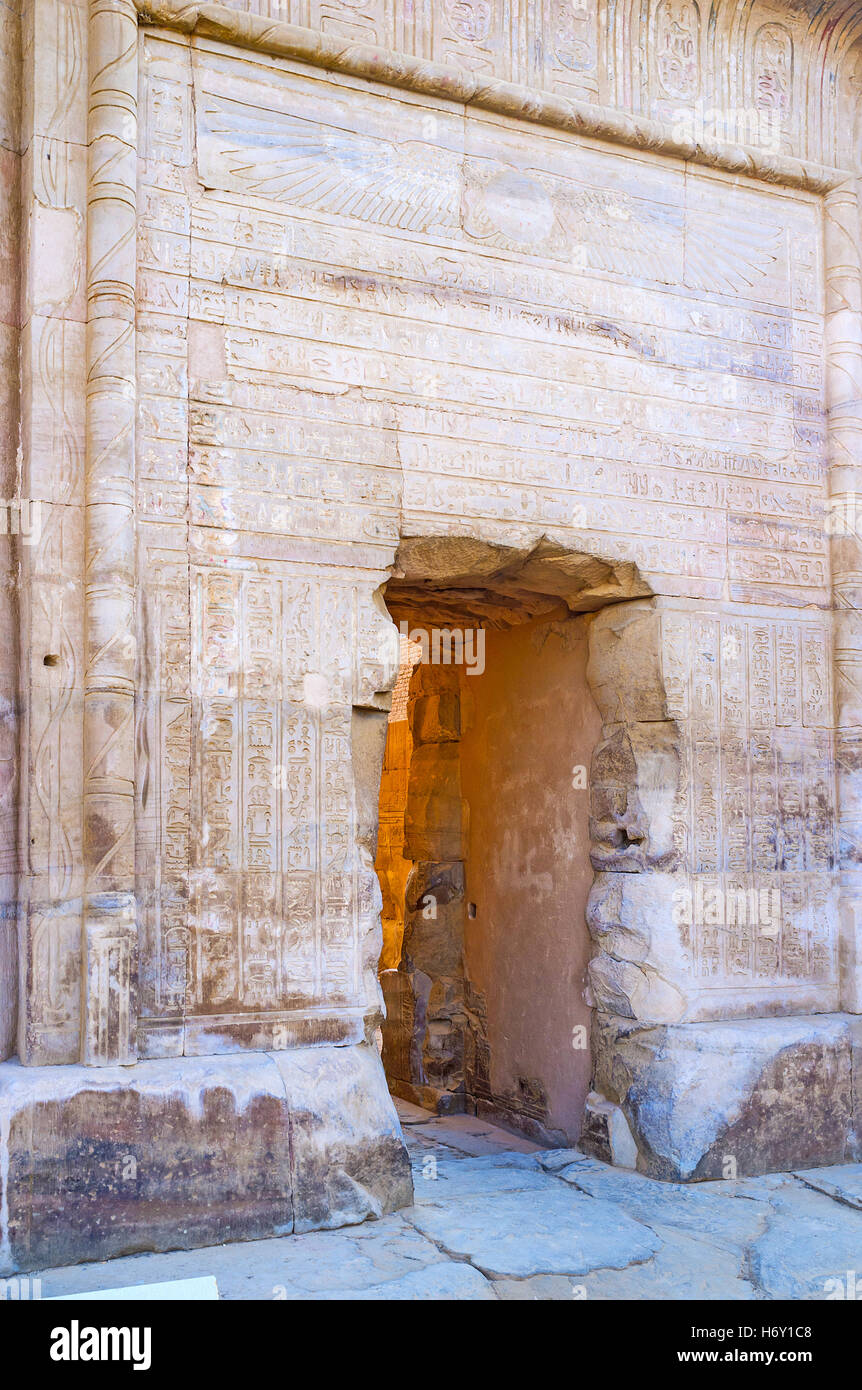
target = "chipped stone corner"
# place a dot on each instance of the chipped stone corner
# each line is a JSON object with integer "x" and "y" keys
{"x": 724, "y": 1099}
{"x": 606, "y": 1134}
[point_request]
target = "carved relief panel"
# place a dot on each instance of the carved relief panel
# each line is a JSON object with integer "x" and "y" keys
{"x": 352, "y": 329}
{"x": 717, "y": 71}
{"x": 674, "y": 69}
{"x": 568, "y": 42}
{"x": 726, "y": 905}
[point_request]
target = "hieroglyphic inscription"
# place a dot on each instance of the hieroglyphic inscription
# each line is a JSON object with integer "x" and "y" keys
{"x": 755, "y": 813}
{"x": 454, "y": 307}
{"x": 540, "y": 336}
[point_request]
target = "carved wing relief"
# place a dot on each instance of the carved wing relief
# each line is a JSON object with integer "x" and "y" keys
{"x": 611, "y": 230}
{"x": 419, "y": 187}
{"x": 286, "y": 158}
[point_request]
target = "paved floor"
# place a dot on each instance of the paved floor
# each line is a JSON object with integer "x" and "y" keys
{"x": 497, "y": 1218}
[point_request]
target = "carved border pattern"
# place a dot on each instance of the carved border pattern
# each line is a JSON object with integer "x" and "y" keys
{"x": 108, "y": 1023}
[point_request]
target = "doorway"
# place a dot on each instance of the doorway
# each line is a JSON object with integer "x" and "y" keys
{"x": 483, "y": 847}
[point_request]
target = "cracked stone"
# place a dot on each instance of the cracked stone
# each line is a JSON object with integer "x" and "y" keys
{"x": 445, "y": 1280}
{"x": 842, "y": 1182}
{"x": 811, "y": 1248}
{"x": 456, "y": 1178}
{"x": 680, "y": 1270}
{"x": 716, "y": 1211}
{"x": 547, "y": 1231}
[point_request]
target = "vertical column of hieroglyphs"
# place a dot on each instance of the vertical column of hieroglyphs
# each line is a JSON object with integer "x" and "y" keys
{"x": 844, "y": 405}
{"x": 54, "y": 172}
{"x": 754, "y": 814}
{"x": 300, "y": 762}
{"x": 290, "y": 504}
{"x": 562, "y": 53}
{"x": 109, "y": 928}
{"x": 10, "y": 169}
{"x": 479, "y": 35}
{"x": 237, "y": 962}
{"x": 163, "y": 738}
{"x": 277, "y": 885}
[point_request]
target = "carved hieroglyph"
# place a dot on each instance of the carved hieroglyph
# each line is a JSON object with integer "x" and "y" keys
{"x": 762, "y": 75}
{"x": 714, "y": 780}
{"x": 487, "y": 329}
{"x": 305, "y": 281}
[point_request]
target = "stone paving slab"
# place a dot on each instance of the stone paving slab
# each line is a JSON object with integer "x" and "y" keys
{"x": 545, "y": 1225}
{"x": 843, "y": 1183}
{"x": 715, "y": 1211}
{"x": 812, "y": 1247}
{"x": 529, "y": 1231}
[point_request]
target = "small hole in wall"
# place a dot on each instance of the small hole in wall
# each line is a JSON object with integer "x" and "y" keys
{"x": 471, "y": 910}
{"x": 51, "y": 659}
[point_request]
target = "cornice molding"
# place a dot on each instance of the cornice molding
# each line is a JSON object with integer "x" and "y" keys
{"x": 381, "y": 65}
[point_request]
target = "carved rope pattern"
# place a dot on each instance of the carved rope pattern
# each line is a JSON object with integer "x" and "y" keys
{"x": 109, "y": 563}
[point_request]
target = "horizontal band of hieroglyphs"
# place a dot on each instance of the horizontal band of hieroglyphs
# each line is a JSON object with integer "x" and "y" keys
{"x": 797, "y": 362}
{"x": 292, "y": 419}
{"x": 228, "y": 490}
{"x": 222, "y": 240}
{"x": 274, "y": 427}
{"x": 559, "y": 383}
{"x": 692, "y": 430}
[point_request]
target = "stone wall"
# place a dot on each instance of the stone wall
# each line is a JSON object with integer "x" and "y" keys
{"x": 564, "y": 302}
{"x": 530, "y": 733}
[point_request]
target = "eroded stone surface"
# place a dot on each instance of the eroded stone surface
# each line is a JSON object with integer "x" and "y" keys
{"x": 810, "y": 1248}
{"x": 843, "y": 1183}
{"x": 551, "y": 1232}
{"x": 246, "y": 1146}
{"x": 275, "y": 334}
{"x": 760, "y": 1238}
{"x": 759, "y": 1093}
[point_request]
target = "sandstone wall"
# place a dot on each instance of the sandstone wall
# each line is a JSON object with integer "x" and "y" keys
{"x": 530, "y": 733}
{"x": 390, "y": 865}
{"x": 10, "y": 318}
{"x": 296, "y": 294}
{"x": 53, "y": 373}
{"x": 781, "y": 75}
{"x": 492, "y": 330}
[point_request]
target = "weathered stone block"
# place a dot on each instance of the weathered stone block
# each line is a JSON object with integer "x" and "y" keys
{"x": 437, "y": 718}
{"x": 712, "y": 1100}
{"x": 173, "y": 1155}
{"x": 645, "y": 967}
{"x": 606, "y": 1133}
{"x": 634, "y": 782}
{"x": 433, "y": 822}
